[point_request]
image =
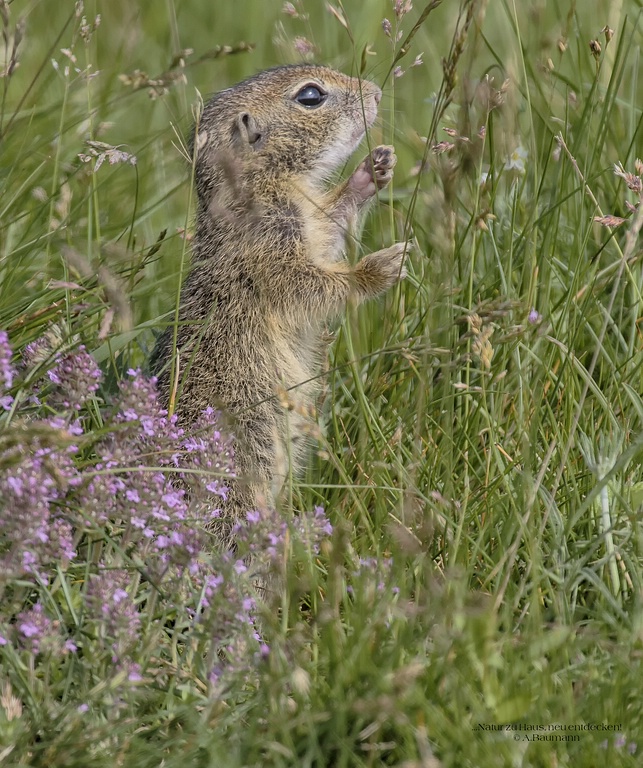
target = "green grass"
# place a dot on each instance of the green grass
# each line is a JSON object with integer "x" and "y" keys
{"x": 493, "y": 455}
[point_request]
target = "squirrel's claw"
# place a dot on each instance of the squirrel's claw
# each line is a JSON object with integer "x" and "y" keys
{"x": 382, "y": 161}
{"x": 374, "y": 172}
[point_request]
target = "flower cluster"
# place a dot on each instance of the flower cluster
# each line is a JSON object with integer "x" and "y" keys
{"x": 37, "y": 633}
{"x": 36, "y": 473}
{"x": 74, "y": 375}
{"x": 373, "y": 572}
{"x": 131, "y": 480}
{"x": 143, "y": 466}
{"x": 312, "y": 528}
{"x": 113, "y": 610}
{"x": 264, "y": 533}
{"x": 33, "y": 627}
{"x": 77, "y": 378}
{"x": 148, "y": 488}
{"x": 7, "y": 371}
{"x": 37, "y": 467}
{"x": 226, "y": 620}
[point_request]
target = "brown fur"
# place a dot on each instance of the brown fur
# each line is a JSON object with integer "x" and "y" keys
{"x": 268, "y": 266}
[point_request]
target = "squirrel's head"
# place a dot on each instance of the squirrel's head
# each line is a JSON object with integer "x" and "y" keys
{"x": 294, "y": 121}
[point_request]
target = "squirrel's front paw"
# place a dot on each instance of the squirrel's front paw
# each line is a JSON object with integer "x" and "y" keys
{"x": 374, "y": 172}
{"x": 381, "y": 270}
{"x": 382, "y": 161}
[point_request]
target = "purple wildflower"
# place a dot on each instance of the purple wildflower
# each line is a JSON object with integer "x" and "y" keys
{"x": 6, "y": 401}
{"x": 162, "y": 516}
{"x": 138, "y": 402}
{"x": 7, "y": 371}
{"x": 77, "y": 378}
{"x": 112, "y": 607}
{"x": 210, "y": 452}
{"x": 227, "y": 620}
{"x": 35, "y": 477}
{"x": 74, "y": 374}
{"x": 263, "y": 534}
{"x": 534, "y": 317}
{"x": 156, "y": 486}
{"x": 41, "y": 349}
{"x": 375, "y": 571}
{"x": 212, "y": 584}
{"x": 34, "y": 629}
{"x": 313, "y": 527}
{"x": 133, "y": 671}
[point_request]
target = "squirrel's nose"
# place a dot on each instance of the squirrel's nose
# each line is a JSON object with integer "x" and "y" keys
{"x": 377, "y": 95}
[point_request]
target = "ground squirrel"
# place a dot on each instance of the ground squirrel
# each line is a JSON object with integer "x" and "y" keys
{"x": 268, "y": 266}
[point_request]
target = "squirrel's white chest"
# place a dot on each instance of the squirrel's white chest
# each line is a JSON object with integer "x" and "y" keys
{"x": 323, "y": 237}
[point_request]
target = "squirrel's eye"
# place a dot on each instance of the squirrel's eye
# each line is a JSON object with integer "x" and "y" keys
{"x": 310, "y": 96}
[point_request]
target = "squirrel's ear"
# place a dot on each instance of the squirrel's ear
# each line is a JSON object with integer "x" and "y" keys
{"x": 247, "y": 129}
